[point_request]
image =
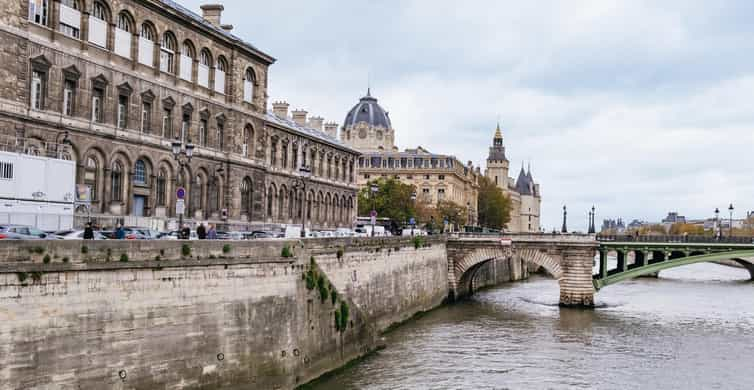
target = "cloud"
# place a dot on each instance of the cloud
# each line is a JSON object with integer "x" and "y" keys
{"x": 639, "y": 107}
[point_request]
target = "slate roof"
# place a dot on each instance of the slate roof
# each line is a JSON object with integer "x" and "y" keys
{"x": 369, "y": 111}
{"x": 525, "y": 183}
{"x": 292, "y": 126}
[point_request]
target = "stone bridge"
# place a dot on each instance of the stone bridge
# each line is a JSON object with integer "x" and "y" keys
{"x": 567, "y": 258}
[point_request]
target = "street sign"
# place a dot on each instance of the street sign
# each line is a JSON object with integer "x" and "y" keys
{"x": 180, "y": 206}
{"x": 373, "y": 213}
{"x": 180, "y": 193}
{"x": 412, "y": 221}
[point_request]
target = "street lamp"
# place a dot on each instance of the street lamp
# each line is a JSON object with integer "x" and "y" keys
{"x": 717, "y": 228}
{"x": 730, "y": 221}
{"x": 592, "y": 226}
{"x": 373, "y": 215}
{"x": 182, "y": 154}
{"x": 564, "y": 229}
{"x": 305, "y": 174}
{"x": 413, "y": 219}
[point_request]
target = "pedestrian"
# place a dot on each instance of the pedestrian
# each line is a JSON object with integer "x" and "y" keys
{"x": 212, "y": 232}
{"x": 88, "y": 232}
{"x": 185, "y": 233}
{"x": 201, "y": 231}
{"x": 120, "y": 233}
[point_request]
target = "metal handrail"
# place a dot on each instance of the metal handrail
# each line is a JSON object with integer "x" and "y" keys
{"x": 695, "y": 239}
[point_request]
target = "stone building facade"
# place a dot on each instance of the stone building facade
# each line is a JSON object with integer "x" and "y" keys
{"x": 436, "y": 177}
{"x": 523, "y": 191}
{"x": 127, "y": 78}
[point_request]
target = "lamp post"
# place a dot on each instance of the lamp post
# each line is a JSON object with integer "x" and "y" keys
{"x": 373, "y": 215}
{"x": 730, "y": 221}
{"x": 413, "y": 219}
{"x": 305, "y": 173}
{"x": 564, "y": 229}
{"x": 182, "y": 154}
{"x": 592, "y": 226}
{"x": 717, "y": 229}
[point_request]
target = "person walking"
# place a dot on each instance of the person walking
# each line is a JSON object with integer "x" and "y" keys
{"x": 212, "y": 233}
{"x": 201, "y": 232}
{"x": 120, "y": 233}
{"x": 185, "y": 233}
{"x": 88, "y": 232}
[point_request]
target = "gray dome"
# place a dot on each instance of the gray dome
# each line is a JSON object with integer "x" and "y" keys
{"x": 367, "y": 110}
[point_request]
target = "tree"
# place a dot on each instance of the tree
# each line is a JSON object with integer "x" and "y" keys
{"x": 494, "y": 207}
{"x": 451, "y": 211}
{"x": 392, "y": 200}
{"x": 686, "y": 228}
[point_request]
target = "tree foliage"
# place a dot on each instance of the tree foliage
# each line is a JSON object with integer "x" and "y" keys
{"x": 494, "y": 206}
{"x": 686, "y": 228}
{"x": 392, "y": 200}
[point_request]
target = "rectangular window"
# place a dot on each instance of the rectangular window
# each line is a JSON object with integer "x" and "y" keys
{"x": 69, "y": 94}
{"x": 98, "y": 96}
{"x": 203, "y": 132}
{"x": 39, "y": 11}
{"x": 203, "y": 76}
{"x": 167, "y": 121}
{"x": 166, "y": 60}
{"x": 366, "y": 176}
{"x": 122, "y": 111}
{"x": 146, "y": 118}
{"x": 122, "y": 43}
{"x": 185, "y": 127}
{"x": 441, "y": 177}
{"x": 441, "y": 194}
{"x": 37, "y": 91}
{"x": 219, "y": 81}
{"x": 187, "y": 65}
{"x": 248, "y": 91}
{"x": 70, "y": 21}
{"x": 220, "y": 135}
{"x": 97, "y": 31}
{"x": 6, "y": 170}
{"x": 426, "y": 177}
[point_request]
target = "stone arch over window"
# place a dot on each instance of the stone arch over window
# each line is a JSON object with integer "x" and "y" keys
{"x": 148, "y": 31}
{"x": 247, "y": 198}
{"x": 343, "y": 213}
{"x": 309, "y": 200}
{"x": 117, "y": 176}
{"x": 141, "y": 174}
{"x": 271, "y": 191}
{"x": 125, "y": 21}
{"x": 168, "y": 47}
{"x": 249, "y": 81}
{"x": 328, "y": 200}
{"x": 188, "y": 53}
{"x": 282, "y": 199}
{"x": 318, "y": 207}
{"x": 93, "y": 167}
{"x": 199, "y": 193}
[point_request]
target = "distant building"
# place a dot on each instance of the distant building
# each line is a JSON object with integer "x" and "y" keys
{"x": 673, "y": 217}
{"x": 636, "y": 224}
{"x": 616, "y": 225}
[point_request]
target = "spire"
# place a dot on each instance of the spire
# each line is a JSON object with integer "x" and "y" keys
{"x": 369, "y": 91}
{"x": 498, "y": 133}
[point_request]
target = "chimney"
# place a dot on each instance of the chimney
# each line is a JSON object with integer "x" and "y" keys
{"x": 227, "y": 27}
{"x": 331, "y": 129}
{"x": 280, "y": 109}
{"x": 212, "y": 12}
{"x": 315, "y": 122}
{"x": 299, "y": 116}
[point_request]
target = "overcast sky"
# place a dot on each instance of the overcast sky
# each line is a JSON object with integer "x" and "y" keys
{"x": 638, "y": 107}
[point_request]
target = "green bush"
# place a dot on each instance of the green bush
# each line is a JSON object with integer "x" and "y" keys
{"x": 311, "y": 279}
{"x": 286, "y": 252}
{"x": 342, "y": 317}
{"x": 322, "y": 287}
{"x": 226, "y": 248}
{"x": 46, "y": 259}
{"x": 337, "y": 319}
{"x": 84, "y": 249}
{"x": 38, "y": 250}
{"x": 36, "y": 277}
{"x": 124, "y": 258}
{"x": 157, "y": 258}
{"x": 340, "y": 253}
{"x": 66, "y": 259}
{"x": 185, "y": 250}
{"x": 418, "y": 242}
{"x": 22, "y": 276}
{"x": 333, "y": 296}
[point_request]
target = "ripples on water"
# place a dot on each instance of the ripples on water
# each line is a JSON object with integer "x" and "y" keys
{"x": 693, "y": 328}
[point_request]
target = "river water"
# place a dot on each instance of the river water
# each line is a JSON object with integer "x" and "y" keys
{"x": 693, "y": 328}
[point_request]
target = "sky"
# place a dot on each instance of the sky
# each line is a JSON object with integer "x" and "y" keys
{"x": 636, "y": 107}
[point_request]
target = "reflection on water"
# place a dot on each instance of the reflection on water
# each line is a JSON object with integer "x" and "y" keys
{"x": 691, "y": 328}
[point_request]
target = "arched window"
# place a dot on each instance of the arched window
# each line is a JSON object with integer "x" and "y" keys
{"x": 70, "y": 18}
{"x": 147, "y": 37}
{"x": 281, "y": 202}
{"x": 98, "y": 24}
{"x": 91, "y": 174}
{"x": 123, "y": 35}
{"x": 246, "y": 197}
{"x": 248, "y": 85}
{"x": 248, "y": 136}
{"x": 116, "y": 181}
{"x": 187, "y": 60}
{"x": 140, "y": 172}
{"x": 197, "y": 192}
{"x": 162, "y": 187}
{"x": 167, "y": 53}
{"x": 205, "y": 62}
{"x": 220, "y": 70}
{"x": 270, "y": 200}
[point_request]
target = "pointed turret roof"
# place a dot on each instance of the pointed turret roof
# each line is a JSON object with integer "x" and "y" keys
{"x": 498, "y": 133}
{"x": 524, "y": 183}
{"x": 497, "y": 150}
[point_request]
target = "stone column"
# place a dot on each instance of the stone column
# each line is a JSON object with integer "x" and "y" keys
{"x": 576, "y": 287}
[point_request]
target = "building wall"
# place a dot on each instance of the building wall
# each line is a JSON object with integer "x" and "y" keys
{"x": 244, "y": 149}
{"x": 165, "y": 324}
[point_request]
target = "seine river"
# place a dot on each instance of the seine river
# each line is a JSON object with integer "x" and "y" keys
{"x": 693, "y": 328}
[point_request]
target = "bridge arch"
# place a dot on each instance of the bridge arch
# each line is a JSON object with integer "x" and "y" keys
{"x": 542, "y": 259}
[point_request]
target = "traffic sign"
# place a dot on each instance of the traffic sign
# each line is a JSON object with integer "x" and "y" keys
{"x": 412, "y": 221}
{"x": 180, "y": 193}
{"x": 180, "y": 206}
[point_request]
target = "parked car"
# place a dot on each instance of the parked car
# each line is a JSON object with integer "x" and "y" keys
{"x": 174, "y": 235}
{"x": 260, "y": 234}
{"x": 24, "y": 232}
{"x": 78, "y": 235}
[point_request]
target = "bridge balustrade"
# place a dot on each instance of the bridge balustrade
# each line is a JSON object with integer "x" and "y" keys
{"x": 676, "y": 239}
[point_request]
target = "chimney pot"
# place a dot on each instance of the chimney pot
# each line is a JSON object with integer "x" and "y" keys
{"x": 280, "y": 109}
{"x": 299, "y": 116}
{"x": 315, "y": 122}
{"x": 331, "y": 129}
{"x": 212, "y": 12}
{"x": 227, "y": 27}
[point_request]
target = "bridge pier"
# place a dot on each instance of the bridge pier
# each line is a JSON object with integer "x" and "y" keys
{"x": 576, "y": 286}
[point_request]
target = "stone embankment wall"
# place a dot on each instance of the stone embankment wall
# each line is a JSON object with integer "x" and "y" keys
{"x": 209, "y": 314}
